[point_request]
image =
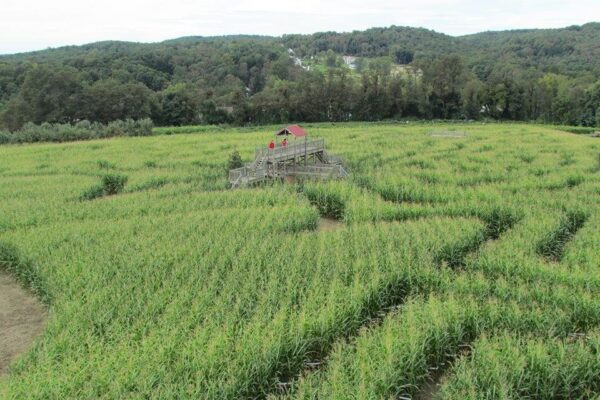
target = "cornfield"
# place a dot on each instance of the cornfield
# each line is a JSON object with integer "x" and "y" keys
{"x": 465, "y": 267}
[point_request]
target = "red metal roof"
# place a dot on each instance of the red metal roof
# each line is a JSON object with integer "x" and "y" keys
{"x": 292, "y": 130}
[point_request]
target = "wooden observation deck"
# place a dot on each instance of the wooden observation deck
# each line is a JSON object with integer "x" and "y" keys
{"x": 305, "y": 158}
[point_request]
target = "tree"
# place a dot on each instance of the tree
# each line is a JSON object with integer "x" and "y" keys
{"x": 178, "y": 106}
{"x": 403, "y": 56}
{"x": 108, "y": 100}
{"x": 505, "y": 95}
{"x": 282, "y": 66}
{"x": 591, "y": 106}
{"x": 472, "y": 98}
{"x": 48, "y": 94}
{"x": 331, "y": 59}
{"x": 339, "y": 96}
{"x": 553, "y": 98}
{"x": 446, "y": 76}
{"x": 235, "y": 160}
{"x": 211, "y": 114}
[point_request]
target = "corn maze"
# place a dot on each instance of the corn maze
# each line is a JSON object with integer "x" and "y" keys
{"x": 466, "y": 267}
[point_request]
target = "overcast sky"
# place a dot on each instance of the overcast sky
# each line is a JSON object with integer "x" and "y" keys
{"x": 38, "y": 24}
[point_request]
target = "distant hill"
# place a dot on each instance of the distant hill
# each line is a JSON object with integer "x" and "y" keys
{"x": 573, "y": 51}
{"x": 540, "y": 74}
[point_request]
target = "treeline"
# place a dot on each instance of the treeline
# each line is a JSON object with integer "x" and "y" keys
{"x": 572, "y": 51}
{"x": 173, "y": 83}
{"x": 447, "y": 89}
{"x": 403, "y": 44}
{"x": 548, "y": 76}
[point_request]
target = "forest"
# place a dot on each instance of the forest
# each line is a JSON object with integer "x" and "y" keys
{"x": 544, "y": 75}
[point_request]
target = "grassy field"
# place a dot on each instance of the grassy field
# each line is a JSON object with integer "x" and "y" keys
{"x": 465, "y": 267}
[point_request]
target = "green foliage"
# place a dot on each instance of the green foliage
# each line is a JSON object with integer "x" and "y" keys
{"x": 152, "y": 183}
{"x": 110, "y": 184}
{"x": 92, "y": 193}
{"x": 178, "y": 106}
{"x": 551, "y": 76}
{"x": 130, "y": 127}
{"x": 113, "y": 183}
{"x": 552, "y": 247}
{"x": 211, "y": 114}
{"x": 329, "y": 200}
{"x": 103, "y": 164}
{"x": 235, "y": 161}
{"x": 109, "y": 100}
{"x": 513, "y": 367}
{"x": 82, "y": 130}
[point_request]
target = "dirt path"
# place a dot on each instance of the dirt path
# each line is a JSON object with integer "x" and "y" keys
{"x": 328, "y": 224}
{"x": 429, "y": 389}
{"x": 22, "y": 318}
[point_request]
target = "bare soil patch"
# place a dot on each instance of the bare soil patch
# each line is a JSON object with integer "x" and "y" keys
{"x": 328, "y": 224}
{"x": 22, "y": 319}
{"x": 430, "y": 388}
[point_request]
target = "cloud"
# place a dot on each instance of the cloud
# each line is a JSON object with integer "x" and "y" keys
{"x": 31, "y": 24}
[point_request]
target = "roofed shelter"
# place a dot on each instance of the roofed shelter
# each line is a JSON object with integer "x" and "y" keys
{"x": 294, "y": 130}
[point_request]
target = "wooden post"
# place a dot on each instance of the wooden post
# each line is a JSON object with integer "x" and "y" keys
{"x": 305, "y": 150}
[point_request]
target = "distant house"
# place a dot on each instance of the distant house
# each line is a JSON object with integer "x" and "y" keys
{"x": 297, "y": 61}
{"x": 350, "y": 61}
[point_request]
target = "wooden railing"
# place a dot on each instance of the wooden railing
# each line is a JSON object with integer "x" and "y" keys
{"x": 322, "y": 170}
{"x": 236, "y": 176}
{"x": 292, "y": 149}
{"x": 272, "y": 163}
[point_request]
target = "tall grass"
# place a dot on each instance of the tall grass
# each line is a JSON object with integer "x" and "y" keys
{"x": 178, "y": 288}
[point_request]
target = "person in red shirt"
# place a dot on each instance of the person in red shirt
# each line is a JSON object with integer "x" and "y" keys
{"x": 284, "y": 143}
{"x": 271, "y": 145}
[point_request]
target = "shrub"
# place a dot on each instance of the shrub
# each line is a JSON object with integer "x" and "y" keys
{"x": 113, "y": 183}
{"x": 130, "y": 127}
{"x": 92, "y": 193}
{"x": 110, "y": 184}
{"x": 82, "y": 130}
{"x": 103, "y": 164}
{"x": 567, "y": 159}
{"x": 235, "y": 161}
{"x": 6, "y": 137}
{"x": 153, "y": 183}
{"x": 573, "y": 181}
{"x": 527, "y": 158}
{"x": 328, "y": 200}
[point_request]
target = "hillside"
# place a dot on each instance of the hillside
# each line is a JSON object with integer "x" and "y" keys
{"x": 573, "y": 51}
{"x": 545, "y": 75}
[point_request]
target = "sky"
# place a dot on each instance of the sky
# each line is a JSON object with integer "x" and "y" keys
{"x": 27, "y": 25}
